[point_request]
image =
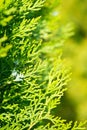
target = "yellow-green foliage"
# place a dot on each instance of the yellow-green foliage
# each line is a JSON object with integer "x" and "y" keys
{"x": 31, "y": 81}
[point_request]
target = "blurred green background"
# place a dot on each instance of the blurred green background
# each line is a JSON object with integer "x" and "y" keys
{"x": 72, "y": 15}
{"x": 75, "y": 50}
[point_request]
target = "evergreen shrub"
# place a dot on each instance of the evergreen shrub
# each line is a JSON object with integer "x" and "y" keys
{"x": 32, "y": 80}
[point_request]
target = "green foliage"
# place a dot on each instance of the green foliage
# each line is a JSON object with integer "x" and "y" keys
{"x": 31, "y": 81}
